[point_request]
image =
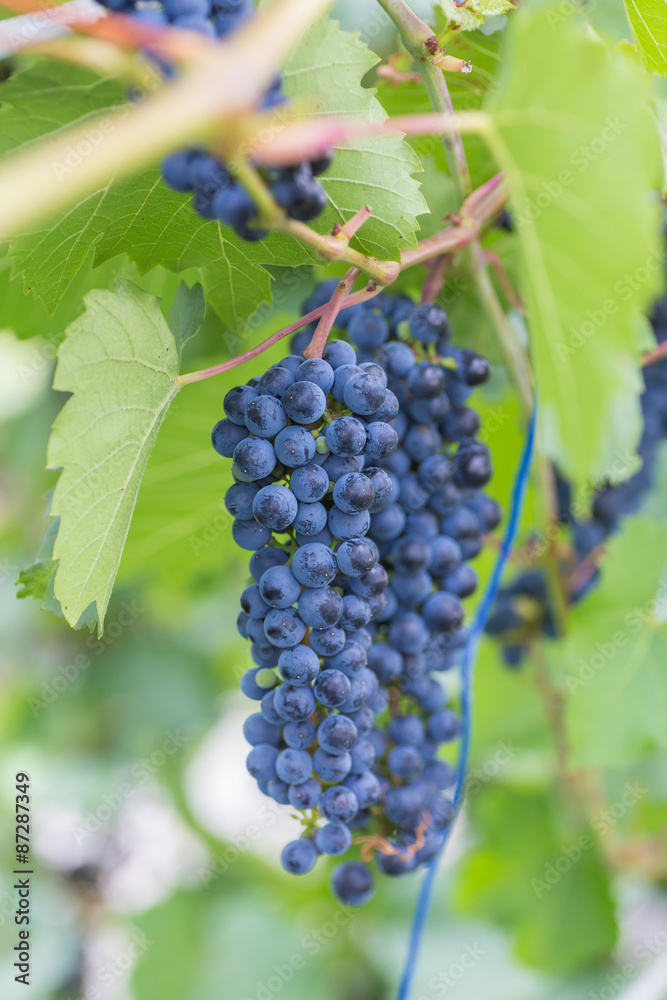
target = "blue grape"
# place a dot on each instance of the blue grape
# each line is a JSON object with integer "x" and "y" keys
{"x": 352, "y": 883}
{"x": 257, "y": 730}
{"x": 443, "y": 612}
{"x": 279, "y": 588}
{"x": 362, "y": 756}
{"x": 304, "y": 402}
{"x": 226, "y": 435}
{"x": 239, "y": 498}
{"x": 264, "y": 558}
{"x": 275, "y": 381}
{"x": 368, "y": 329}
{"x": 356, "y": 556}
{"x": 350, "y": 659}
{"x": 318, "y": 371}
{"x": 250, "y": 535}
{"x": 278, "y": 790}
{"x": 314, "y": 565}
{"x": 381, "y": 440}
{"x": 407, "y": 729}
{"x": 346, "y": 436}
{"x": 254, "y": 458}
{"x": 364, "y": 393}
{"x": 306, "y": 795}
{"x": 331, "y": 688}
{"x": 429, "y": 323}
{"x": 299, "y": 735}
{"x": 353, "y": 493}
{"x": 338, "y": 353}
{"x": 365, "y": 786}
{"x": 309, "y": 483}
{"x": 293, "y": 703}
{"x": 299, "y": 857}
{"x": 336, "y": 733}
{"x": 265, "y": 416}
{"x": 284, "y": 628}
{"x": 356, "y": 612}
{"x": 443, "y": 726}
{"x": 320, "y": 607}
{"x": 334, "y": 838}
{"x": 299, "y": 665}
{"x": 339, "y": 804}
{"x": 294, "y": 766}
{"x": 342, "y": 375}
{"x": 310, "y": 518}
{"x": 294, "y": 446}
{"x": 261, "y": 761}
{"x": 236, "y": 401}
{"x": 330, "y": 767}
{"x": 347, "y": 526}
{"x": 404, "y": 761}
{"x": 327, "y": 641}
{"x": 253, "y": 603}
{"x": 275, "y": 507}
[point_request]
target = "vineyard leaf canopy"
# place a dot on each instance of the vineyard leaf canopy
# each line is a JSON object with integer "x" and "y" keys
{"x": 590, "y": 257}
{"x": 120, "y": 363}
{"x": 140, "y": 216}
{"x": 648, "y": 20}
{"x": 616, "y": 652}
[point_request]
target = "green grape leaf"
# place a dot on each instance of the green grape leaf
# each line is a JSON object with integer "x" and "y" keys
{"x": 139, "y": 216}
{"x": 590, "y": 259}
{"x": 325, "y": 72}
{"x": 648, "y": 20}
{"x": 120, "y": 363}
{"x": 547, "y": 884}
{"x": 186, "y": 315}
{"x": 616, "y": 652}
{"x": 37, "y": 579}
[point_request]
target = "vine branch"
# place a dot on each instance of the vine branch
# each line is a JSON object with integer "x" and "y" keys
{"x": 416, "y": 35}
{"x": 328, "y": 317}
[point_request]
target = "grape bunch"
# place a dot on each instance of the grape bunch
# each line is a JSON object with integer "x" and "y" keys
{"x": 356, "y": 488}
{"x": 216, "y": 193}
{"x": 523, "y": 610}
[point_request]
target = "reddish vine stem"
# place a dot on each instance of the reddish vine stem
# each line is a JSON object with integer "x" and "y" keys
{"x": 492, "y": 258}
{"x": 434, "y": 279}
{"x": 363, "y": 295}
{"x": 658, "y": 354}
{"x": 483, "y": 204}
{"x": 328, "y": 317}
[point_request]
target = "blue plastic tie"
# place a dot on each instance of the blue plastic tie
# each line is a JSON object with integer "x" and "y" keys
{"x": 467, "y": 671}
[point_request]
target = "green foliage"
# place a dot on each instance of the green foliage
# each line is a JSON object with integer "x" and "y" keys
{"x": 545, "y": 882}
{"x": 590, "y": 261}
{"x": 647, "y": 19}
{"x": 120, "y": 362}
{"x": 325, "y": 72}
{"x": 615, "y": 653}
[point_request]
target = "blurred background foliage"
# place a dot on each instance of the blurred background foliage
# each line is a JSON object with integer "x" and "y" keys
{"x": 156, "y": 859}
